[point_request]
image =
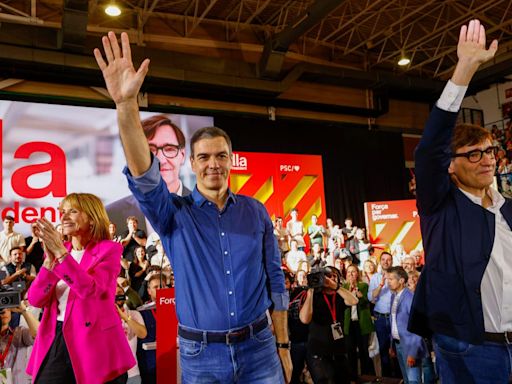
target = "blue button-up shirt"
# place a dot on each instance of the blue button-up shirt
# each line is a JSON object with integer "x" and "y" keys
{"x": 225, "y": 261}
{"x": 383, "y": 301}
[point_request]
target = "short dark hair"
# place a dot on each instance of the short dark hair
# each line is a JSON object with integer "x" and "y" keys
{"x": 469, "y": 134}
{"x": 151, "y": 124}
{"x": 209, "y": 133}
{"x": 15, "y": 248}
{"x": 386, "y": 253}
{"x": 400, "y": 272}
{"x": 9, "y": 217}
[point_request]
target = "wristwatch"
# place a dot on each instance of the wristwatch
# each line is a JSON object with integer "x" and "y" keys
{"x": 284, "y": 345}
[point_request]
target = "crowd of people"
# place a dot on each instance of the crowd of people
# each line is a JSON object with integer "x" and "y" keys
{"x": 371, "y": 339}
{"x": 320, "y": 297}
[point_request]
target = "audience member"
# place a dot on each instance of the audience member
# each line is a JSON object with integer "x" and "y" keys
{"x": 294, "y": 257}
{"x": 358, "y": 325}
{"x": 359, "y": 247}
{"x": 134, "y": 329}
{"x": 282, "y": 235}
{"x": 348, "y": 230}
{"x": 296, "y": 229}
{"x": 146, "y": 356}
{"x": 324, "y": 310}
{"x": 19, "y": 270}
{"x": 380, "y": 294}
{"x": 132, "y": 237}
{"x": 9, "y": 239}
{"x": 316, "y": 232}
{"x": 410, "y": 348}
{"x": 34, "y": 251}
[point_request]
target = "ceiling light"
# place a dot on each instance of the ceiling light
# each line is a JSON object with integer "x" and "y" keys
{"x": 403, "y": 60}
{"x": 112, "y": 10}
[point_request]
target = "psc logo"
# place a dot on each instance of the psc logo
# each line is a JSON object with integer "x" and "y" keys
{"x": 289, "y": 168}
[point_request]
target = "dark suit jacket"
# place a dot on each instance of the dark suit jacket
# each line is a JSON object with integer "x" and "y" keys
{"x": 119, "y": 210}
{"x": 458, "y": 236}
{"x": 412, "y": 344}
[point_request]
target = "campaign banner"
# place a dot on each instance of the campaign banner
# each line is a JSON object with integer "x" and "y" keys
{"x": 166, "y": 337}
{"x": 50, "y": 150}
{"x": 393, "y": 222}
{"x": 282, "y": 182}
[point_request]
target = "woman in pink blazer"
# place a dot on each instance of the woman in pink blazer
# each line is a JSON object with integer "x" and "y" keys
{"x": 80, "y": 339}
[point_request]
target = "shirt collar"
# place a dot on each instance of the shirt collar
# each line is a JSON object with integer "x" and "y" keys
{"x": 200, "y": 200}
{"x": 497, "y": 199}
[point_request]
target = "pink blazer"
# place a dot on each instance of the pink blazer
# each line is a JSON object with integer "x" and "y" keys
{"x": 92, "y": 329}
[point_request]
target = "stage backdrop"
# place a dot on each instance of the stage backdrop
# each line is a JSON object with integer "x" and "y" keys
{"x": 281, "y": 182}
{"x": 50, "y": 150}
{"x": 393, "y": 222}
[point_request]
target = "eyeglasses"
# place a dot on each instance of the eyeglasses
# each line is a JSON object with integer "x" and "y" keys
{"x": 476, "y": 155}
{"x": 169, "y": 150}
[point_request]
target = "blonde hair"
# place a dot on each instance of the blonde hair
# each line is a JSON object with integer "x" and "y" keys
{"x": 92, "y": 206}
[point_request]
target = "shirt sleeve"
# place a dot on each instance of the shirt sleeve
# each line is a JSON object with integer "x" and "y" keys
{"x": 272, "y": 259}
{"x": 374, "y": 283}
{"x": 451, "y": 98}
{"x": 147, "y": 181}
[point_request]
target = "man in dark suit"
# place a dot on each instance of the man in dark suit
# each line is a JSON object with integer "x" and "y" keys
{"x": 463, "y": 297}
{"x": 167, "y": 142}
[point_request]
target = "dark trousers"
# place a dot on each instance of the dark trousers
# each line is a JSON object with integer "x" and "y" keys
{"x": 56, "y": 366}
{"x": 328, "y": 369}
{"x": 383, "y": 330}
{"x": 354, "y": 341}
{"x": 298, "y": 353}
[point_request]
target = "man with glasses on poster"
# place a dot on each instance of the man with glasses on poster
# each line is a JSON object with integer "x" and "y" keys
{"x": 167, "y": 143}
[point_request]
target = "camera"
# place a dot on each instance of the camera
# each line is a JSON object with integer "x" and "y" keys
{"x": 9, "y": 297}
{"x": 316, "y": 278}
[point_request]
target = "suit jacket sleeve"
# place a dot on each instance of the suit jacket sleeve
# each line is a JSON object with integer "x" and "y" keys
{"x": 42, "y": 288}
{"x": 98, "y": 279}
{"x": 432, "y": 159}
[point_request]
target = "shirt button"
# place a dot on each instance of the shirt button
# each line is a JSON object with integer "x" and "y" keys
{"x": 230, "y": 292}
{"x": 222, "y": 233}
{"x": 228, "y": 272}
{"x": 209, "y": 203}
{"x": 225, "y": 252}
{"x": 232, "y": 313}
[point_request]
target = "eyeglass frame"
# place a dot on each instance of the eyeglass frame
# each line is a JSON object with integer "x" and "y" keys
{"x": 495, "y": 149}
{"x": 157, "y": 148}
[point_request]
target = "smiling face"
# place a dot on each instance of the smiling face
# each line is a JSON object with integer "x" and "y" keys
{"x": 473, "y": 177}
{"x": 75, "y": 222}
{"x": 211, "y": 163}
{"x": 169, "y": 167}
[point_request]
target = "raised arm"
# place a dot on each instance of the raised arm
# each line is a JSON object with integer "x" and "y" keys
{"x": 123, "y": 83}
{"x": 433, "y": 154}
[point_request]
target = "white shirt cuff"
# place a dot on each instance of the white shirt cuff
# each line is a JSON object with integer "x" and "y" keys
{"x": 452, "y": 97}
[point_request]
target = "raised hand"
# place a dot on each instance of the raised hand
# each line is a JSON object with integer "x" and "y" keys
{"x": 122, "y": 80}
{"x": 472, "y": 52}
{"x": 472, "y": 43}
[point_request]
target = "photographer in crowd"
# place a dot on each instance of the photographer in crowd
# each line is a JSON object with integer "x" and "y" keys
{"x": 324, "y": 310}
{"x": 19, "y": 270}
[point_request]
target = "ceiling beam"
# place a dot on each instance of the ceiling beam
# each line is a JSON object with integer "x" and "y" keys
{"x": 275, "y": 48}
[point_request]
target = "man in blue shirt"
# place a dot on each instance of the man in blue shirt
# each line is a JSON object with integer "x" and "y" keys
{"x": 380, "y": 294}
{"x": 221, "y": 246}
